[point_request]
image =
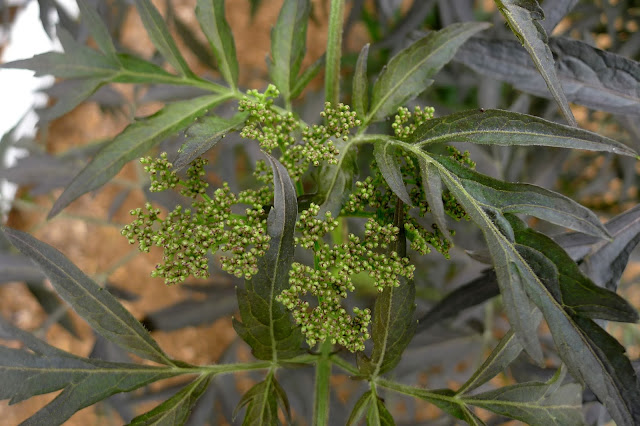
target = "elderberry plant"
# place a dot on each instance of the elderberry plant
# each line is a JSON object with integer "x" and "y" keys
{"x": 325, "y": 255}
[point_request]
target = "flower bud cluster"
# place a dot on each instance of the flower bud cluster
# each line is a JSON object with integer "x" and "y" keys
{"x": 339, "y": 120}
{"x": 422, "y": 240}
{"x": 401, "y": 129}
{"x": 464, "y": 158}
{"x": 329, "y": 280}
{"x": 270, "y": 128}
{"x": 161, "y": 173}
{"x": 188, "y": 235}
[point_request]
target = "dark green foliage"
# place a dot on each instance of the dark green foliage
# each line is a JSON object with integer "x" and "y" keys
{"x": 328, "y": 239}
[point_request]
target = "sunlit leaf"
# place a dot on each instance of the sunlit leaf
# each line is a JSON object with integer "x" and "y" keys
{"x": 133, "y": 142}
{"x": 161, "y": 37}
{"x": 210, "y": 14}
{"x": 94, "y": 304}
{"x": 409, "y": 73}
{"x": 523, "y": 16}
{"x": 288, "y": 44}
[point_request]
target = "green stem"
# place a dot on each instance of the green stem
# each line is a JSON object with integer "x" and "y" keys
{"x": 412, "y": 391}
{"x": 323, "y": 374}
{"x": 334, "y": 51}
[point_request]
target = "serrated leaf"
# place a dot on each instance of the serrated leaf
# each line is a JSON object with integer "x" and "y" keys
{"x": 409, "y": 72}
{"x": 204, "y": 135}
{"x": 535, "y": 403}
{"x": 359, "y": 408}
{"x": 288, "y": 44}
{"x": 97, "y": 28}
{"x": 94, "y": 304}
{"x": 387, "y": 161}
{"x": 47, "y": 369}
{"x": 615, "y": 383}
{"x": 77, "y": 61}
{"x": 211, "y": 17}
{"x": 579, "y": 293}
{"x": 522, "y": 17}
{"x": 505, "y": 128}
{"x": 262, "y": 404}
{"x": 133, "y": 142}
{"x": 378, "y": 415}
{"x": 361, "y": 84}
{"x": 336, "y": 180}
{"x": 528, "y": 199}
{"x": 266, "y": 324}
{"x": 175, "y": 410}
{"x": 70, "y": 94}
{"x": 505, "y": 352}
{"x": 590, "y": 76}
{"x": 307, "y": 75}
{"x": 161, "y": 37}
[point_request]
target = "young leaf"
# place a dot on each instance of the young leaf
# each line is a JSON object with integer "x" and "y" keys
{"x": 210, "y": 14}
{"x": 94, "y": 304}
{"x": 603, "y": 80}
{"x": 204, "y": 135}
{"x": 579, "y": 293}
{"x": 361, "y": 84}
{"x": 359, "y": 408}
{"x": 266, "y": 324}
{"x": 409, "y": 73}
{"x": 497, "y": 127}
{"x": 378, "y": 415}
{"x": 288, "y": 41}
{"x": 335, "y": 180}
{"x": 616, "y": 382}
{"x": 523, "y": 16}
{"x": 98, "y": 29}
{"x": 384, "y": 153}
{"x": 161, "y": 37}
{"x": 528, "y": 199}
{"x": 133, "y": 142}
{"x": 175, "y": 410}
{"x": 535, "y": 403}
{"x": 432, "y": 187}
{"x": 262, "y": 404}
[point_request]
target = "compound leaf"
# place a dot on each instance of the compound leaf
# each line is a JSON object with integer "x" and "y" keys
{"x": 266, "y": 324}
{"x": 535, "y": 403}
{"x": 133, "y": 142}
{"x": 288, "y": 44}
{"x": 409, "y": 72}
{"x": 361, "y": 84}
{"x": 97, "y": 306}
{"x": 204, "y": 135}
{"x": 210, "y": 14}
{"x": 98, "y": 29}
{"x": 523, "y": 16}
{"x": 498, "y": 127}
{"x": 262, "y": 404}
{"x": 528, "y": 199}
{"x": 175, "y": 410}
{"x": 161, "y": 37}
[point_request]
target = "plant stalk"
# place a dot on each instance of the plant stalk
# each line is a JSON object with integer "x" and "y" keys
{"x": 334, "y": 52}
{"x": 323, "y": 374}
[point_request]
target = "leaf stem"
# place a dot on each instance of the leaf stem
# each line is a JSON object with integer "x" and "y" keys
{"x": 334, "y": 52}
